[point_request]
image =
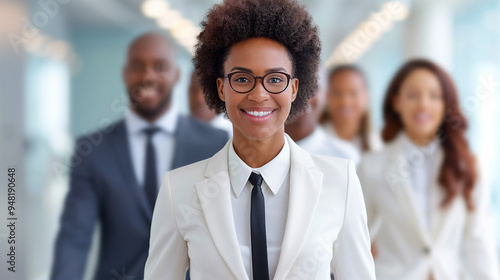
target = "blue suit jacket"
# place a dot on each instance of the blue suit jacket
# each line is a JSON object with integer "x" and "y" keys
{"x": 103, "y": 188}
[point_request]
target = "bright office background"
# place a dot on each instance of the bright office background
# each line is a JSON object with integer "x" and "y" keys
{"x": 60, "y": 77}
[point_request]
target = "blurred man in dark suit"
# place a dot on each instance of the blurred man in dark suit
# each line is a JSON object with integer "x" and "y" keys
{"x": 116, "y": 183}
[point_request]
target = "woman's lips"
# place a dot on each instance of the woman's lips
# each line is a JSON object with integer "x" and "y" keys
{"x": 260, "y": 115}
{"x": 346, "y": 112}
{"x": 422, "y": 118}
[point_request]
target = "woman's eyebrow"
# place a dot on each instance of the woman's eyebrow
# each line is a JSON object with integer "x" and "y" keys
{"x": 241, "y": 69}
{"x": 277, "y": 69}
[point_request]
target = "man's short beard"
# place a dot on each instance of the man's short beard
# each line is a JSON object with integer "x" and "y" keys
{"x": 150, "y": 113}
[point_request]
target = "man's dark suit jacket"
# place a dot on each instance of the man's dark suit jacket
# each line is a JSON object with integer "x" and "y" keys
{"x": 103, "y": 188}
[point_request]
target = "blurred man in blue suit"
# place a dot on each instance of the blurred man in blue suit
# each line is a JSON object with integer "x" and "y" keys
{"x": 116, "y": 181}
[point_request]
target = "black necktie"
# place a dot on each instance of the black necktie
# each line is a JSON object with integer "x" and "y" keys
{"x": 258, "y": 230}
{"x": 150, "y": 177}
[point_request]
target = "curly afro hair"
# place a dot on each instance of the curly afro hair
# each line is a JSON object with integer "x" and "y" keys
{"x": 233, "y": 21}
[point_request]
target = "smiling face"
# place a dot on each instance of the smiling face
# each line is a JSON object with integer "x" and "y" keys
{"x": 347, "y": 98}
{"x": 257, "y": 115}
{"x": 420, "y": 104}
{"x": 150, "y": 74}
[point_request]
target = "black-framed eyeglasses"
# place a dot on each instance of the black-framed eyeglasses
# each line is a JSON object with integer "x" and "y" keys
{"x": 244, "y": 82}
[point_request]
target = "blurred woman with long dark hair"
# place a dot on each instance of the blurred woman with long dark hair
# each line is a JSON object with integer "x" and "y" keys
{"x": 426, "y": 208}
{"x": 347, "y": 116}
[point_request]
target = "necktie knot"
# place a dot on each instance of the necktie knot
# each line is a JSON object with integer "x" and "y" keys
{"x": 255, "y": 179}
{"x": 150, "y": 131}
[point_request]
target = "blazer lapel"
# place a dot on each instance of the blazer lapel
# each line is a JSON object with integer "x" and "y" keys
{"x": 399, "y": 167}
{"x": 124, "y": 160}
{"x": 214, "y": 194}
{"x": 305, "y": 187}
{"x": 437, "y": 194}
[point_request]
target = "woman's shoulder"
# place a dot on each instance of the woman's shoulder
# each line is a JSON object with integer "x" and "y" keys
{"x": 188, "y": 175}
{"x": 371, "y": 157}
{"x": 193, "y": 168}
{"x": 330, "y": 164}
{"x": 374, "y": 164}
{"x": 339, "y": 178}
{"x": 335, "y": 171}
{"x": 381, "y": 155}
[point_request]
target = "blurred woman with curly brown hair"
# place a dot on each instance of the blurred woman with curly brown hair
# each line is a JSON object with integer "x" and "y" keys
{"x": 261, "y": 208}
{"x": 425, "y": 206}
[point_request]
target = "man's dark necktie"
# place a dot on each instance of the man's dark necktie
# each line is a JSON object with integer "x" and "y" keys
{"x": 258, "y": 230}
{"x": 150, "y": 177}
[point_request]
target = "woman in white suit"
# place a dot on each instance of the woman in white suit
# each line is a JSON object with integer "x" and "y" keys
{"x": 347, "y": 115}
{"x": 261, "y": 208}
{"x": 427, "y": 213}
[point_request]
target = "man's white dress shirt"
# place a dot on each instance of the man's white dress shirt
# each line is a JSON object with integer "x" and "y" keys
{"x": 163, "y": 141}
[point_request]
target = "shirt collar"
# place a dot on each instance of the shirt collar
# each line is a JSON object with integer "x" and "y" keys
{"x": 274, "y": 172}
{"x": 166, "y": 122}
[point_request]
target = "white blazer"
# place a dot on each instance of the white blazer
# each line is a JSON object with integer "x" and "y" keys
{"x": 325, "y": 231}
{"x": 408, "y": 250}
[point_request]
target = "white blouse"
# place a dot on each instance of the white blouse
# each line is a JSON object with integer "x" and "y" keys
{"x": 421, "y": 162}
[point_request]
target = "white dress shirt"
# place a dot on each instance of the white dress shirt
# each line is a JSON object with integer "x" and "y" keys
{"x": 275, "y": 187}
{"x": 319, "y": 142}
{"x": 163, "y": 141}
{"x": 421, "y": 161}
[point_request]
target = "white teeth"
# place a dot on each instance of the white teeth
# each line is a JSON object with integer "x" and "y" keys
{"x": 148, "y": 91}
{"x": 259, "y": 113}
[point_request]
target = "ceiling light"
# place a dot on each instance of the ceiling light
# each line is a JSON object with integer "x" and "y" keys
{"x": 169, "y": 19}
{"x": 154, "y": 8}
